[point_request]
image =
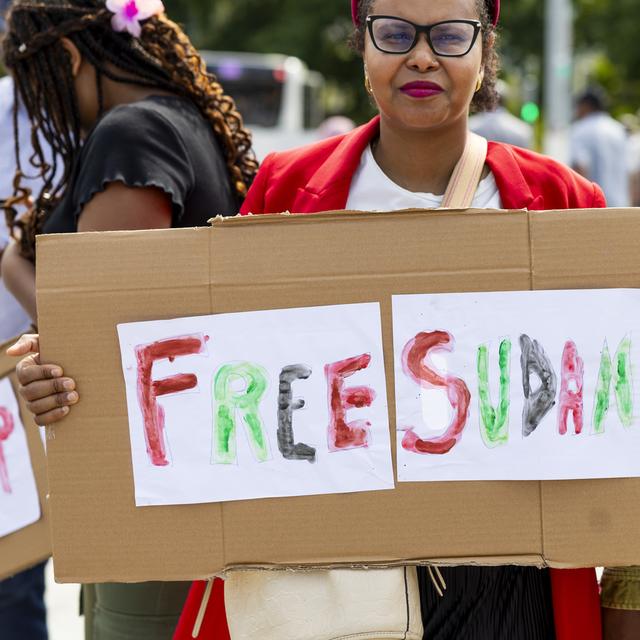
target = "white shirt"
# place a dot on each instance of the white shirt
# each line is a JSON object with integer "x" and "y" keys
{"x": 599, "y": 146}
{"x": 13, "y": 319}
{"x": 372, "y": 190}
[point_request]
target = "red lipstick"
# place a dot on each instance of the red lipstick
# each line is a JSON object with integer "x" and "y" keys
{"x": 421, "y": 89}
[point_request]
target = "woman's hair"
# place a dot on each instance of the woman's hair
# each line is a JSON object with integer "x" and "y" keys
{"x": 162, "y": 58}
{"x": 486, "y": 98}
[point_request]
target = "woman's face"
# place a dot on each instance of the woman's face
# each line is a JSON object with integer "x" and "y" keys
{"x": 454, "y": 80}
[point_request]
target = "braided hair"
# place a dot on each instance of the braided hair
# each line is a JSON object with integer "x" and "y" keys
{"x": 162, "y": 58}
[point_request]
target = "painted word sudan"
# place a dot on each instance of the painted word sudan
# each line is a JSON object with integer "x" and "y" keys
{"x": 6, "y": 429}
{"x": 228, "y": 403}
{"x": 494, "y": 420}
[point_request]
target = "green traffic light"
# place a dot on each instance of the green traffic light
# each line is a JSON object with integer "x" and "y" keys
{"x": 530, "y": 112}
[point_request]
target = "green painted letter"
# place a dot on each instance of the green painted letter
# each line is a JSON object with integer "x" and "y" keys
{"x": 621, "y": 376}
{"x": 227, "y": 402}
{"x": 494, "y": 423}
{"x": 603, "y": 388}
{"x": 622, "y": 382}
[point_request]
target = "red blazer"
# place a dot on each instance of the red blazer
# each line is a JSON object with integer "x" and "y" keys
{"x": 317, "y": 178}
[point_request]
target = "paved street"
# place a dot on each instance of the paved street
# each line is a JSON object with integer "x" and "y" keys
{"x": 62, "y": 608}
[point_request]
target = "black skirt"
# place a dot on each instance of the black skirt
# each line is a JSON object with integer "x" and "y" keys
{"x": 488, "y": 603}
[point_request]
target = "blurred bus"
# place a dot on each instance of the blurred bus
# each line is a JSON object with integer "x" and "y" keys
{"x": 279, "y": 97}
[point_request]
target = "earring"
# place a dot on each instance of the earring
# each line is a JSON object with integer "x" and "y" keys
{"x": 479, "y": 84}
{"x": 367, "y": 84}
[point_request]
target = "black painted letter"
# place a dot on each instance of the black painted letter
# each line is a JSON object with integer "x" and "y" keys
{"x": 540, "y": 402}
{"x": 286, "y": 406}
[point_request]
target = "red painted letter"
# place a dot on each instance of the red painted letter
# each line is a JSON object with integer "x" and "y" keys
{"x": 149, "y": 389}
{"x": 413, "y": 361}
{"x": 344, "y": 435}
{"x": 6, "y": 429}
{"x": 571, "y": 400}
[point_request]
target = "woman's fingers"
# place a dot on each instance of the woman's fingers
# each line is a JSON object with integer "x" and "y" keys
{"x": 28, "y": 343}
{"x": 48, "y": 400}
{"x": 44, "y": 388}
{"x": 48, "y": 395}
{"x": 45, "y": 419}
{"x": 50, "y": 403}
{"x": 30, "y": 370}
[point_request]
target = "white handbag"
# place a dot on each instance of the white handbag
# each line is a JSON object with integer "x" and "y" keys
{"x": 338, "y": 604}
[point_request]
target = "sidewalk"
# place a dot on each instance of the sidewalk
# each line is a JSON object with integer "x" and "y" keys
{"x": 62, "y": 609}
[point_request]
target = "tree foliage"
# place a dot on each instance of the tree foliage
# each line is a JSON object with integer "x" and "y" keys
{"x": 317, "y": 31}
{"x": 610, "y": 27}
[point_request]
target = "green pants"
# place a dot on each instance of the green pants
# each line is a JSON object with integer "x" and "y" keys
{"x": 621, "y": 588}
{"x": 146, "y": 611}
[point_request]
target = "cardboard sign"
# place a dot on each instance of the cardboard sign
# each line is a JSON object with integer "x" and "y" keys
{"x": 517, "y": 385}
{"x": 19, "y": 502}
{"x": 24, "y": 527}
{"x": 90, "y": 283}
{"x": 211, "y": 404}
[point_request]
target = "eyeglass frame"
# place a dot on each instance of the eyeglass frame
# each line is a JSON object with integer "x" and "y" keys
{"x": 426, "y": 29}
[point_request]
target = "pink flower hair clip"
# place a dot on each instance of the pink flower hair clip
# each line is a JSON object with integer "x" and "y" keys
{"x": 128, "y": 14}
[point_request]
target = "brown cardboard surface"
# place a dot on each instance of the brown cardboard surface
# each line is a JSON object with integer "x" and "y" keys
{"x": 31, "y": 545}
{"x": 88, "y": 283}
{"x": 597, "y": 249}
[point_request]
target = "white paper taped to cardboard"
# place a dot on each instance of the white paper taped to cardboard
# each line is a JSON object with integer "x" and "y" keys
{"x": 215, "y": 409}
{"x": 567, "y": 408}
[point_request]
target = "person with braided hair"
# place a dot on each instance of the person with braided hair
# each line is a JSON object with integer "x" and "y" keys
{"x": 141, "y": 137}
{"x": 73, "y": 69}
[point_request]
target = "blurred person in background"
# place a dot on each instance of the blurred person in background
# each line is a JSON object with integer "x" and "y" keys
{"x": 335, "y": 126}
{"x": 22, "y": 607}
{"x": 598, "y": 147}
{"x": 631, "y": 123}
{"x": 501, "y": 126}
{"x": 13, "y": 319}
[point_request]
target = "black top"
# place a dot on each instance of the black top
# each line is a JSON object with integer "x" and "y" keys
{"x": 488, "y": 603}
{"x": 161, "y": 141}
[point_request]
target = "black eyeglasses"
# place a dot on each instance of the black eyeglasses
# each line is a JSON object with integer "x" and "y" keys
{"x": 450, "y": 38}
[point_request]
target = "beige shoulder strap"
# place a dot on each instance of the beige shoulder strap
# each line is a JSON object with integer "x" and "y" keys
{"x": 466, "y": 176}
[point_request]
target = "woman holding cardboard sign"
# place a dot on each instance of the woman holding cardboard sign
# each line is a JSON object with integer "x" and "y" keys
{"x": 142, "y": 137}
{"x": 425, "y": 65}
